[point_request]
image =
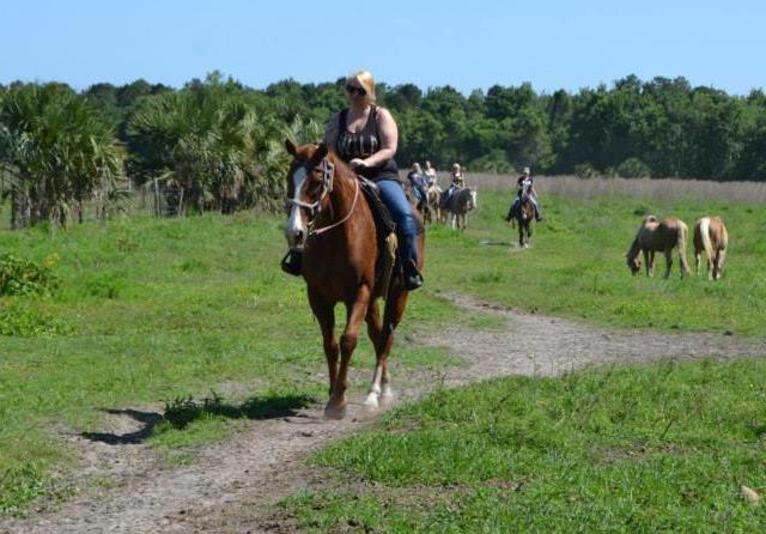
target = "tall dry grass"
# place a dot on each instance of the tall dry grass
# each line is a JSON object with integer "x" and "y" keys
{"x": 647, "y": 188}
{"x": 652, "y": 189}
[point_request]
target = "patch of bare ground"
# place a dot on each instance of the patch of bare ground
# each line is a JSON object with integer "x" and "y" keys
{"x": 233, "y": 486}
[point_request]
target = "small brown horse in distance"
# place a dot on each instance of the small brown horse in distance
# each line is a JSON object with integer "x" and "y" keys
{"x": 525, "y": 215}
{"x": 332, "y": 223}
{"x": 659, "y": 236}
{"x": 711, "y": 236}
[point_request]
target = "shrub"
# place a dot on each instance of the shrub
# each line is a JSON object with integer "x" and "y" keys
{"x": 19, "y": 276}
{"x": 17, "y": 319}
{"x": 633, "y": 168}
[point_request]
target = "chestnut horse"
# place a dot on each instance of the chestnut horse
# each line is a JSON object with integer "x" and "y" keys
{"x": 653, "y": 236}
{"x": 711, "y": 236}
{"x": 331, "y": 222}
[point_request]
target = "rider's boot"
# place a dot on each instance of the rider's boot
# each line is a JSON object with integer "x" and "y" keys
{"x": 292, "y": 263}
{"x": 412, "y": 277}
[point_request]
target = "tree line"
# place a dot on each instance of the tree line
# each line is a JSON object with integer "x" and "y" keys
{"x": 217, "y": 144}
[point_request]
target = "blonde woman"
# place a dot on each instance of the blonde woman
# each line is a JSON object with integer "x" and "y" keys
{"x": 365, "y": 136}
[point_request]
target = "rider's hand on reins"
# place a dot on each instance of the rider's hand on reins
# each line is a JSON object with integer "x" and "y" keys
{"x": 357, "y": 163}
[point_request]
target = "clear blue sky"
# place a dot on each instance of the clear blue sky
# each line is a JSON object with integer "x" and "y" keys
{"x": 474, "y": 44}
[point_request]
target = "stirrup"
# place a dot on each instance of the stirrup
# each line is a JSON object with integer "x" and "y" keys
{"x": 412, "y": 278}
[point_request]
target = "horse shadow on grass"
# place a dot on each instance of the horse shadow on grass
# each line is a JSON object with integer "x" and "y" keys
{"x": 182, "y": 411}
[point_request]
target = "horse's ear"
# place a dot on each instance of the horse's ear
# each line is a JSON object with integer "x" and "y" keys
{"x": 321, "y": 151}
{"x": 319, "y": 154}
{"x": 290, "y": 146}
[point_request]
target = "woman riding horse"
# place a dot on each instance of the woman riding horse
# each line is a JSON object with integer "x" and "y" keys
{"x": 366, "y": 136}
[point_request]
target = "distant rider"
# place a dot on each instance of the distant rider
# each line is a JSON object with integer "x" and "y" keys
{"x": 418, "y": 183}
{"x": 456, "y": 183}
{"x": 525, "y": 182}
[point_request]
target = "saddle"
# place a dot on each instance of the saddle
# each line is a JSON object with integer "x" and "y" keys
{"x": 385, "y": 230}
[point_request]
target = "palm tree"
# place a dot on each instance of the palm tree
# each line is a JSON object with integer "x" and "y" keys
{"x": 212, "y": 145}
{"x": 56, "y": 152}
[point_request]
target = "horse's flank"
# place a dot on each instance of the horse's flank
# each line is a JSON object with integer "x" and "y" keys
{"x": 658, "y": 236}
{"x": 710, "y": 236}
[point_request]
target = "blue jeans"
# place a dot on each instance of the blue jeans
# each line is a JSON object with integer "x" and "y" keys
{"x": 392, "y": 195}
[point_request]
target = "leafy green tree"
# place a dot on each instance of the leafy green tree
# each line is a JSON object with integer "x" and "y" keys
{"x": 56, "y": 152}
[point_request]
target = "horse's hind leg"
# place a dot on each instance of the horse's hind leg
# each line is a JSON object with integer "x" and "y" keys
{"x": 325, "y": 314}
{"x": 395, "y": 305}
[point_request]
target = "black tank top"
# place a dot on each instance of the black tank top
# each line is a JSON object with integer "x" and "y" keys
{"x": 364, "y": 144}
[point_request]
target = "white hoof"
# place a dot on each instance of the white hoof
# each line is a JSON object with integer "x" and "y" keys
{"x": 371, "y": 401}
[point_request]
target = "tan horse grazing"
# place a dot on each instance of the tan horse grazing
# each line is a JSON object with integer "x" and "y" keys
{"x": 711, "y": 236}
{"x": 655, "y": 236}
{"x": 458, "y": 205}
{"x": 434, "y": 201}
{"x": 331, "y": 222}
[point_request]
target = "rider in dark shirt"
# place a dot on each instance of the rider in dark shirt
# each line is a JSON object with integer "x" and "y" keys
{"x": 525, "y": 182}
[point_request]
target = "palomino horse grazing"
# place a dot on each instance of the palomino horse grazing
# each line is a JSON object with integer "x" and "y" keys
{"x": 654, "y": 236}
{"x": 524, "y": 215}
{"x": 711, "y": 236}
{"x": 434, "y": 199}
{"x": 458, "y": 205}
{"x": 332, "y": 223}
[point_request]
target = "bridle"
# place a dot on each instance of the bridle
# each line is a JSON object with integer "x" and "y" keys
{"x": 315, "y": 208}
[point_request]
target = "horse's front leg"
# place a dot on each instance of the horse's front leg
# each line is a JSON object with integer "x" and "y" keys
{"x": 325, "y": 314}
{"x": 669, "y": 263}
{"x": 356, "y": 311}
{"x": 648, "y": 260}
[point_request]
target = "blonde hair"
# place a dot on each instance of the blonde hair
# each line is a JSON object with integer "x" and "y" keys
{"x": 365, "y": 78}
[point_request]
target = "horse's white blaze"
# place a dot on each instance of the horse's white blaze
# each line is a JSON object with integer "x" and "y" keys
{"x": 295, "y": 226}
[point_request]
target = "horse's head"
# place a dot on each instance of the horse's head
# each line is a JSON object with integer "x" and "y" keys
{"x": 474, "y": 202}
{"x": 633, "y": 258}
{"x": 309, "y": 181}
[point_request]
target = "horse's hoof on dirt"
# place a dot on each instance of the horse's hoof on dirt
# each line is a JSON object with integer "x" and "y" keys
{"x": 335, "y": 412}
{"x": 387, "y": 399}
{"x": 371, "y": 402}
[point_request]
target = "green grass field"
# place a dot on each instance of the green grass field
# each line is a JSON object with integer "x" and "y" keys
{"x": 153, "y": 312}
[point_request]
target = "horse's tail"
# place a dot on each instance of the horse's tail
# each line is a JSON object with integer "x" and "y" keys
{"x": 705, "y": 236}
{"x": 681, "y": 240}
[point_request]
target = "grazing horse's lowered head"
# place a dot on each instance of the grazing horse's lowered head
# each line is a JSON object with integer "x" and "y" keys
{"x": 658, "y": 236}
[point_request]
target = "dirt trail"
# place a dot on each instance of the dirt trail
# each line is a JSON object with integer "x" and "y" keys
{"x": 231, "y": 486}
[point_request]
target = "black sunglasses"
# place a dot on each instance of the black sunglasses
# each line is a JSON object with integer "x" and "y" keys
{"x": 351, "y": 89}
